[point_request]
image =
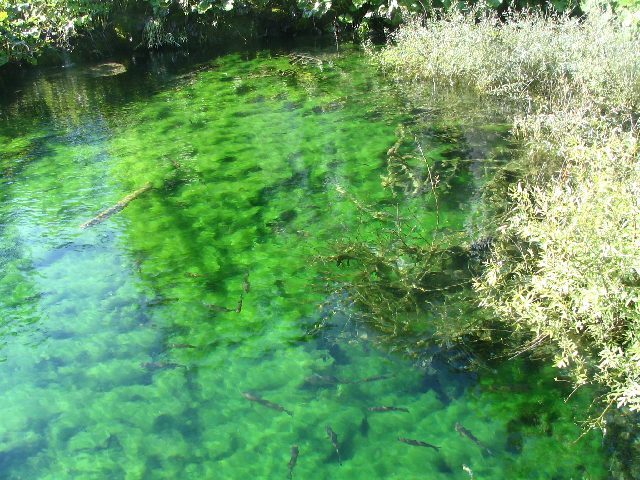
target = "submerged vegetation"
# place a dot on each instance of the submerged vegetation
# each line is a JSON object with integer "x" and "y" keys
{"x": 564, "y": 262}
{"x": 546, "y": 264}
{"x": 132, "y": 353}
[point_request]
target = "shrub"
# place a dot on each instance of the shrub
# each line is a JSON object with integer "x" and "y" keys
{"x": 27, "y": 28}
{"x": 565, "y": 260}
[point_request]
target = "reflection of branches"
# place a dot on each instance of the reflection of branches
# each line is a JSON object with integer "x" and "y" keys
{"x": 433, "y": 181}
{"x": 408, "y": 274}
{"x": 401, "y": 270}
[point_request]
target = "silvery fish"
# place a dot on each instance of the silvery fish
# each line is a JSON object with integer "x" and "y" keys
{"x": 388, "y": 409}
{"x": 466, "y": 433}
{"x": 246, "y": 285}
{"x": 218, "y": 308}
{"x": 293, "y": 461}
{"x": 375, "y": 378}
{"x": 159, "y": 365}
{"x": 239, "y": 306}
{"x": 334, "y": 441}
{"x": 418, "y": 443}
{"x": 266, "y": 403}
{"x": 181, "y": 345}
{"x": 317, "y": 380}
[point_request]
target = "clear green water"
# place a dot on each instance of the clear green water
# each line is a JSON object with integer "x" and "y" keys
{"x": 244, "y": 158}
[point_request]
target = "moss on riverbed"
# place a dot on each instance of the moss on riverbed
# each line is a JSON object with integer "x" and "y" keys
{"x": 125, "y": 350}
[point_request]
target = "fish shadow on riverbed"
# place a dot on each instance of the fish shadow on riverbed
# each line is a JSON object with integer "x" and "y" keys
{"x": 446, "y": 382}
{"x": 364, "y": 426}
{"x": 59, "y": 252}
{"x": 337, "y": 353}
{"x": 443, "y": 467}
{"x": 347, "y": 448}
{"x": 431, "y": 382}
{"x": 184, "y": 423}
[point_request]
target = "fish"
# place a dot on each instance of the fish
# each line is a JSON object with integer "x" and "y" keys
{"x": 334, "y": 441}
{"x": 375, "y": 378}
{"x": 34, "y": 297}
{"x": 246, "y": 286}
{"x": 468, "y": 470}
{"x": 388, "y": 409}
{"x": 294, "y": 460}
{"x": 466, "y": 433}
{"x": 266, "y": 403}
{"x": 217, "y": 308}
{"x": 194, "y": 274}
{"x": 239, "y": 306}
{"x": 317, "y": 380}
{"x": 161, "y": 301}
{"x": 181, "y": 345}
{"x": 418, "y": 443}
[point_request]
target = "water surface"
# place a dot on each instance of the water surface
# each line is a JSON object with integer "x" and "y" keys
{"x": 126, "y": 346}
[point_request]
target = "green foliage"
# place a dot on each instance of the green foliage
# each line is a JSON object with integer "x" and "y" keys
{"x": 564, "y": 266}
{"x": 530, "y": 58}
{"x": 27, "y": 28}
{"x": 627, "y": 10}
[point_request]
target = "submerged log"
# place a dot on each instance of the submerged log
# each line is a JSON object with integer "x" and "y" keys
{"x": 105, "y": 214}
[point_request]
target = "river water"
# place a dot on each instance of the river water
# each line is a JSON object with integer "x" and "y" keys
{"x": 126, "y": 346}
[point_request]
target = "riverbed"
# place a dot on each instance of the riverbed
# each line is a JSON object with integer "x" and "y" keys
{"x": 192, "y": 333}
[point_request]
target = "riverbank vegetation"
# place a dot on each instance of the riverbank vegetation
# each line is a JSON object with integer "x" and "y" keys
{"x": 48, "y": 29}
{"x": 32, "y": 30}
{"x": 564, "y": 261}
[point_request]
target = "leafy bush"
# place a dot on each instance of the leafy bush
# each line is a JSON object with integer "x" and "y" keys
{"x": 566, "y": 265}
{"x": 26, "y": 28}
{"x": 565, "y": 261}
{"x": 529, "y": 57}
{"x": 29, "y": 28}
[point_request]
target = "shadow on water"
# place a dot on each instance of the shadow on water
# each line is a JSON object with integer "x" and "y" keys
{"x": 127, "y": 345}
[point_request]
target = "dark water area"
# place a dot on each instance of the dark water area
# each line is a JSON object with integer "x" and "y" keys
{"x": 174, "y": 338}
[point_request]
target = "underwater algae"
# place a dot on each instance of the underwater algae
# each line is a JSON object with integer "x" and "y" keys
{"x": 127, "y": 346}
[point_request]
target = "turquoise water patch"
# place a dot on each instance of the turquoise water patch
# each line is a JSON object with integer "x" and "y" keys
{"x": 127, "y": 346}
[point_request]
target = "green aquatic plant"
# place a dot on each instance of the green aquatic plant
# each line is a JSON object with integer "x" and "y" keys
{"x": 99, "y": 378}
{"x": 411, "y": 267}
